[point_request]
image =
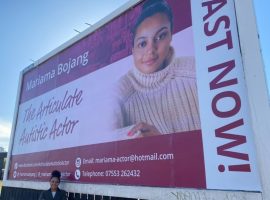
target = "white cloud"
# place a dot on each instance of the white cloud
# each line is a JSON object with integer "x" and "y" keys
{"x": 5, "y": 131}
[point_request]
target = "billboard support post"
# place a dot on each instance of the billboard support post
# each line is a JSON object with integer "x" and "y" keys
{"x": 256, "y": 86}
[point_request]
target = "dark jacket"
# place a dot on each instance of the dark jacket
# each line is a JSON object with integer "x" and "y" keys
{"x": 47, "y": 195}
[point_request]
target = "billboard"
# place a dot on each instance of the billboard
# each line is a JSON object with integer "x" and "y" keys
{"x": 155, "y": 97}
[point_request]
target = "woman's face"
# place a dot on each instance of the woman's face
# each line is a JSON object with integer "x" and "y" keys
{"x": 54, "y": 182}
{"x": 151, "y": 49}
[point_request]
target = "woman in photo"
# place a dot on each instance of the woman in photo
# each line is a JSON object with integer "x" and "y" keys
{"x": 159, "y": 94}
{"x": 54, "y": 193}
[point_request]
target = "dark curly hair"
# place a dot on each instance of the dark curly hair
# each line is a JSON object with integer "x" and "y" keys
{"x": 150, "y": 8}
{"x": 56, "y": 174}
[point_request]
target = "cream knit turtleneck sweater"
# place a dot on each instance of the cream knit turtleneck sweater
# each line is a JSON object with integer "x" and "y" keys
{"x": 166, "y": 99}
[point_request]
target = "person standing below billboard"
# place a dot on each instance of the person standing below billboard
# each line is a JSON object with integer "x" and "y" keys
{"x": 54, "y": 193}
{"x": 159, "y": 95}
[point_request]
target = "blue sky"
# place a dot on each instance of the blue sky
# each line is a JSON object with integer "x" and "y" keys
{"x": 30, "y": 29}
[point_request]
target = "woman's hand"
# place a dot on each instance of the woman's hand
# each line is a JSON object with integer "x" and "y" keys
{"x": 143, "y": 129}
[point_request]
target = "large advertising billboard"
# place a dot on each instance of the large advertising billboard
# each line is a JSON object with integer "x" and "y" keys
{"x": 155, "y": 97}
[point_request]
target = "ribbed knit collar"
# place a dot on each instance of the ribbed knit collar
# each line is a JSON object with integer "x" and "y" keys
{"x": 151, "y": 82}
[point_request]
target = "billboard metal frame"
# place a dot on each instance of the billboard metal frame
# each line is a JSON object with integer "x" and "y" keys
{"x": 258, "y": 103}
